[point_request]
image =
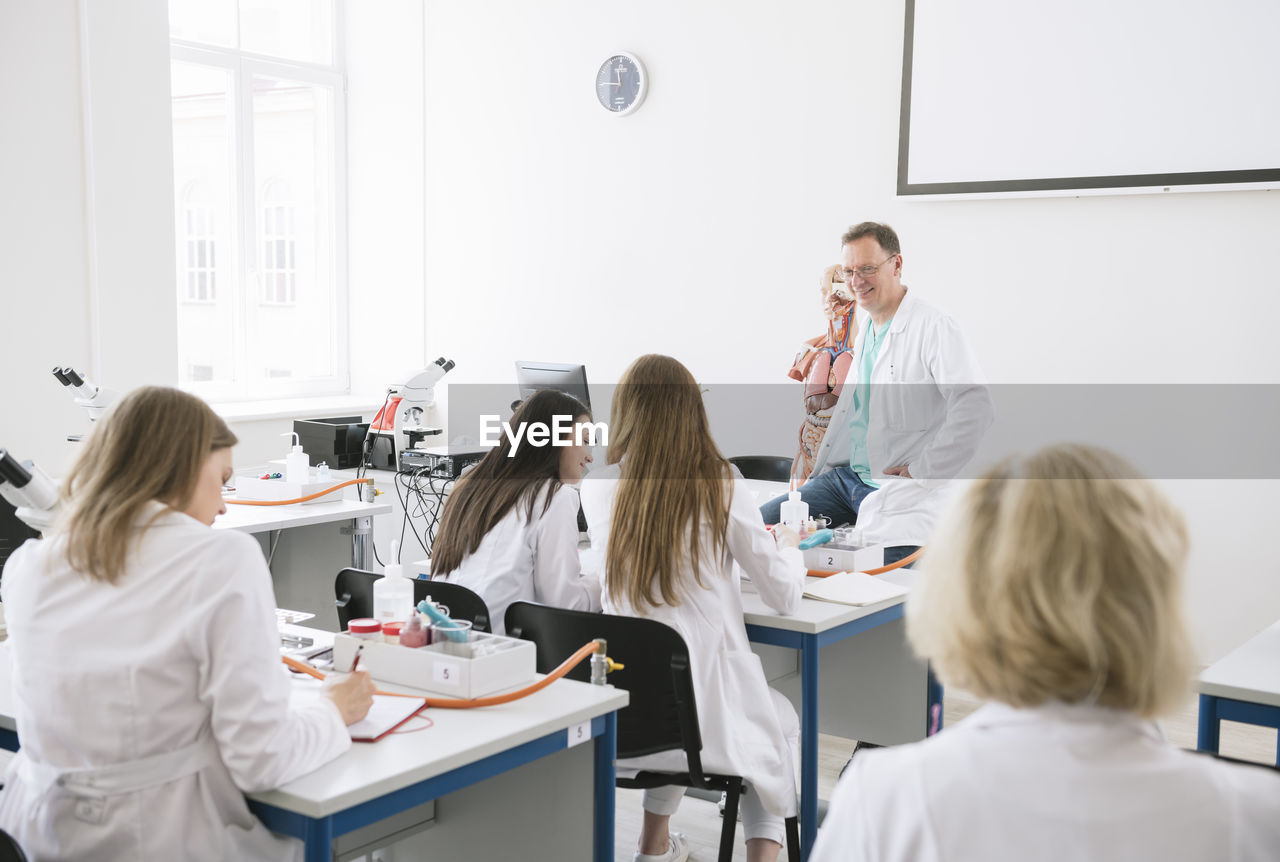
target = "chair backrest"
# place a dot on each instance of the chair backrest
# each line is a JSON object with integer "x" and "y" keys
{"x": 9, "y": 849}
{"x": 662, "y": 714}
{"x": 773, "y": 468}
{"x": 353, "y": 597}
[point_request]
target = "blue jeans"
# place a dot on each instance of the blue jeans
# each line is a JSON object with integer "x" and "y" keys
{"x": 836, "y": 494}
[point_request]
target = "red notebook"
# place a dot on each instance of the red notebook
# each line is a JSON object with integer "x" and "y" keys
{"x": 386, "y": 714}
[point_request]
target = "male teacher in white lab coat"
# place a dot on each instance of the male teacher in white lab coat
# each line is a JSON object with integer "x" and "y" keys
{"x": 912, "y": 412}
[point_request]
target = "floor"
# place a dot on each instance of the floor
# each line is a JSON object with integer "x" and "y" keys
{"x": 701, "y": 821}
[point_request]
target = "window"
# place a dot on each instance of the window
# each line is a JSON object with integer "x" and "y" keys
{"x": 279, "y": 277}
{"x": 200, "y": 243}
{"x": 259, "y": 150}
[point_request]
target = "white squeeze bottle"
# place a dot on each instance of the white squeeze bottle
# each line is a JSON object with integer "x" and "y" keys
{"x": 393, "y": 592}
{"x": 794, "y": 512}
{"x": 297, "y": 467}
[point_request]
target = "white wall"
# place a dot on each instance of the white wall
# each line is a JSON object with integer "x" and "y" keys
{"x": 384, "y": 48}
{"x": 43, "y": 256}
{"x": 698, "y": 225}
{"x": 87, "y": 267}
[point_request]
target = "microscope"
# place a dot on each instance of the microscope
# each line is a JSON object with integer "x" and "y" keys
{"x": 398, "y": 425}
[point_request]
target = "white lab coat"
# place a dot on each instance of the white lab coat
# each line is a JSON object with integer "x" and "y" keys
{"x": 1053, "y": 783}
{"x": 181, "y": 655}
{"x": 536, "y": 560}
{"x": 932, "y": 419}
{"x": 741, "y": 732}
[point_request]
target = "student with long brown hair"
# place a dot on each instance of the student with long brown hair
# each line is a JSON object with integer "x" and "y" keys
{"x": 147, "y": 683}
{"x": 510, "y": 526}
{"x": 673, "y": 521}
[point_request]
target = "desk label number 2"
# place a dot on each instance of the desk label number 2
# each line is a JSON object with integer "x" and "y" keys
{"x": 579, "y": 733}
{"x": 448, "y": 673}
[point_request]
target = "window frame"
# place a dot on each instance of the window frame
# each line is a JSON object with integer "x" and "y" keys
{"x": 245, "y": 259}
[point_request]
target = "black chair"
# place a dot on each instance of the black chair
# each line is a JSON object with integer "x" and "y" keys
{"x": 9, "y": 849}
{"x": 773, "y": 468}
{"x": 662, "y": 714}
{"x": 353, "y": 597}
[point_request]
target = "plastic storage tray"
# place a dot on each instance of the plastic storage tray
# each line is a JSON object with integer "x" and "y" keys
{"x": 486, "y": 664}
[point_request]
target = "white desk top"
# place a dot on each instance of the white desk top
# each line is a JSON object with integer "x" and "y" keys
{"x": 814, "y": 616}
{"x": 459, "y": 737}
{"x": 1250, "y": 673}
{"x": 261, "y": 519}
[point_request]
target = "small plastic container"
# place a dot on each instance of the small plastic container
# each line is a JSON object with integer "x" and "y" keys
{"x": 393, "y": 592}
{"x": 414, "y": 633}
{"x": 454, "y": 637}
{"x": 391, "y": 631}
{"x": 794, "y": 512}
{"x": 365, "y": 629}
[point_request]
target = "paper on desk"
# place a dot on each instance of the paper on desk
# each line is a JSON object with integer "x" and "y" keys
{"x": 853, "y": 588}
{"x": 386, "y": 714}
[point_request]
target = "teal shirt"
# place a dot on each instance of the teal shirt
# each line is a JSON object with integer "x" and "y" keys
{"x": 861, "y": 411}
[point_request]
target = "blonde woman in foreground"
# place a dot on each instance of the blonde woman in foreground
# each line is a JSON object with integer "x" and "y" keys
{"x": 674, "y": 521}
{"x": 1053, "y": 590}
{"x": 147, "y": 683}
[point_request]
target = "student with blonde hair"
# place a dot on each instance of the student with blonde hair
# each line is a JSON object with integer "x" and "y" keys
{"x": 673, "y": 521}
{"x": 1053, "y": 590}
{"x": 147, "y": 682}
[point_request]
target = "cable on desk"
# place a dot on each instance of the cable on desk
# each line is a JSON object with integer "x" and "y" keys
{"x": 305, "y": 499}
{"x": 366, "y": 450}
{"x": 417, "y": 485}
{"x": 907, "y": 560}
{"x": 402, "y": 479}
{"x": 458, "y": 703}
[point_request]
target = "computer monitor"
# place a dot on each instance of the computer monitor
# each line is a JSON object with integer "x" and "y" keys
{"x": 571, "y": 379}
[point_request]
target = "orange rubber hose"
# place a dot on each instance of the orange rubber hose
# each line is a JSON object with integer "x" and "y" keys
{"x": 910, "y": 558}
{"x": 458, "y": 703}
{"x": 299, "y": 499}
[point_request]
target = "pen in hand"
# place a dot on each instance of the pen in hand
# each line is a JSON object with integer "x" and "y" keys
{"x": 355, "y": 663}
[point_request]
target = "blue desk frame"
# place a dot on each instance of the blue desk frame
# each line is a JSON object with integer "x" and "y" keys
{"x": 318, "y": 832}
{"x": 1214, "y": 710}
{"x": 809, "y": 645}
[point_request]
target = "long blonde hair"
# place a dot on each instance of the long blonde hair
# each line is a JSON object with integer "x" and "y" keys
{"x": 1058, "y": 577}
{"x": 673, "y": 483}
{"x": 151, "y": 446}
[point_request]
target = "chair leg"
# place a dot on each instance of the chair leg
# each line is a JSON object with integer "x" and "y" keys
{"x": 793, "y": 839}
{"x": 728, "y": 829}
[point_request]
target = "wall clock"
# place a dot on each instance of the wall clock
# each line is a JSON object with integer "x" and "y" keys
{"x": 621, "y": 83}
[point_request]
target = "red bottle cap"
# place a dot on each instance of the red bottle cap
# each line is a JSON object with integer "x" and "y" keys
{"x": 392, "y": 629}
{"x": 364, "y": 626}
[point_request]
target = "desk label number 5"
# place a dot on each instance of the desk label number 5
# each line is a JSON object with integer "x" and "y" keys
{"x": 448, "y": 673}
{"x": 579, "y": 733}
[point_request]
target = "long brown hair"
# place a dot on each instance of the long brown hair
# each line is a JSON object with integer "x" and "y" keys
{"x": 151, "y": 446}
{"x": 673, "y": 482}
{"x": 501, "y": 481}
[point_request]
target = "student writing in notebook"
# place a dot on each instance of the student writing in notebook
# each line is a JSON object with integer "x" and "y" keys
{"x": 147, "y": 683}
